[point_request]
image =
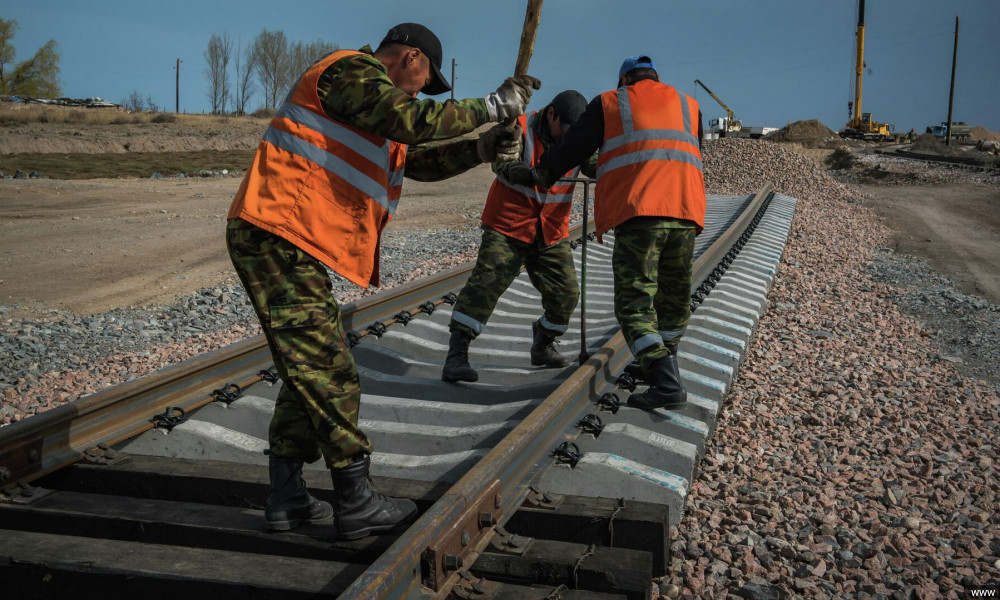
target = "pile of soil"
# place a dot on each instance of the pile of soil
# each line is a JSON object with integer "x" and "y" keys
{"x": 802, "y": 131}
{"x": 981, "y": 133}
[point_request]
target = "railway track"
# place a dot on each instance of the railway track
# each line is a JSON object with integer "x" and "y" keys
{"x": 531, "y": 483}
{"x": 961, "y": 162}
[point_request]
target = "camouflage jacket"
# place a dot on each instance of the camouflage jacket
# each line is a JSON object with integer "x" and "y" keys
{"x": 356, "y": 90}
{"x": 536, "y": 123}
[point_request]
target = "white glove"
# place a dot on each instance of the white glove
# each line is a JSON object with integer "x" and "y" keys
{"x": 511, "y": 98}
{"x": 500, "y": 143}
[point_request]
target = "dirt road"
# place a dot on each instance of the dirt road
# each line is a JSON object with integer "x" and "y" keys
{"x": 955, "y": 228}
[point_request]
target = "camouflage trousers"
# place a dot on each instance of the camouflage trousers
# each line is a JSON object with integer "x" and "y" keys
{"x": 500, "y": 259}
{"x": 316, "y": 411}
{"x": 652, "y": 262}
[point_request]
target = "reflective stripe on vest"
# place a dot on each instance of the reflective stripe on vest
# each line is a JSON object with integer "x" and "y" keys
{"x": 378, "y": 155}
{"x": 644, "y": 135}
{"x": 557, "y": 194}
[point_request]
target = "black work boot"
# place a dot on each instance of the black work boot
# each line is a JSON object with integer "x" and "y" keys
{"x": 456, "y": 366}
{"x": 543, "y": 351}
{"x": 665, "y": 389}
{"x": 288, "y": 500}
{"x": 359, "y": 510}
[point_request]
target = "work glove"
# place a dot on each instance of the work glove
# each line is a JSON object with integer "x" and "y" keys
{"x": 519, "y": 173}
{"x": 511, "y": 98}
{"x": 500, "y": 143}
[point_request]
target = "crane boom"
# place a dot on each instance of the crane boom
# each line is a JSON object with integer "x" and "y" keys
{"x": 862, "y": 125}
{"x": 729, "y": 112}
{"x": 859, "y": 64}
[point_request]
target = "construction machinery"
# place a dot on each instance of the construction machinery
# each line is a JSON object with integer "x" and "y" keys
{"x": 722, "y": 125}
{"x": 862, "y": 125}
{"x": 959, "y": 130}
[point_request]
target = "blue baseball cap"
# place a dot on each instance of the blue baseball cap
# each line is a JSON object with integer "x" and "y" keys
{"x": 636, "y": 62}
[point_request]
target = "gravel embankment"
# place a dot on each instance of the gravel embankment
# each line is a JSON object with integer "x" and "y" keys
{"x": 855, "y": 456}
{"x": 59, "y": 357}
{"x": 852, "y": 459}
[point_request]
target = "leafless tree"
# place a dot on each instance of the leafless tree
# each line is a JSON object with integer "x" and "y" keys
{"x": 271, "y": 49}
{"x": 303, "y": 55}
{"x": 217, "y": 71}
{"x": 246, "y": 61}
{"x": 134, "y": 102}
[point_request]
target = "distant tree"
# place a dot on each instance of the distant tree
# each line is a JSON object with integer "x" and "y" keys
{"x": 37, "y": 77}
{"x": 134, "y": 102}
{"x": 302, "y": 56}
{"x": 246, "y": 61}
{"x": 271, "y": 49}
{"x": 217, "y": 72}
{"x": 151, "y": 106}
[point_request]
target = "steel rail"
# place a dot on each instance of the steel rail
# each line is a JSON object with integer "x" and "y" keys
{"x": 399, "y": 572}
{"x": 49, "y": 441}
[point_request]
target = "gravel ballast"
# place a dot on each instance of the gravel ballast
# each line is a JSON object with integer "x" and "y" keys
{"x": 854, "y": 458}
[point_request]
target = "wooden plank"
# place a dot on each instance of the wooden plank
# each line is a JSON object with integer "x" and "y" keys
{"x": 184, "y": 524}
{"x": 610, "y": 570}
{"x": 582, "y": 520}
{"x": 211, "y": 482}
{"x": 41, "y": 565}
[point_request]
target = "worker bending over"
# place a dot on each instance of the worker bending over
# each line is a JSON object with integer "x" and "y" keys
{"x": 524, "y": 226}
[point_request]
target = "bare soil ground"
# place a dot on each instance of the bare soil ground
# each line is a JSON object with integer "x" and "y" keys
{"x": 954, "y": 227}
{"x": 87, "y": 246}
{"x": 93, "y": 245}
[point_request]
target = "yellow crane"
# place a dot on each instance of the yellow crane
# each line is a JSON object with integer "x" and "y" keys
{"x": 861, "y": 125}
{"x": 725, "y": 125}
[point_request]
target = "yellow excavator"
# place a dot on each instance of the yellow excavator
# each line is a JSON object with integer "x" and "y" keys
{"x": 862, "y": 126}
{"x": 722, "y": 125}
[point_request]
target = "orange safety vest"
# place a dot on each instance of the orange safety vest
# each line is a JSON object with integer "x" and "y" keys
{"x": 516, "y": 210}
{"x": 649, "y": 162}
{"x": 325, "y": 186}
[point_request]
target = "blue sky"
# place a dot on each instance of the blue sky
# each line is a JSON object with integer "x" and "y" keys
{"x": 771, "y": 61}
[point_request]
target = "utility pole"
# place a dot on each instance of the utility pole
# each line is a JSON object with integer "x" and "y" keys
{"x": 453, "y": 79}
{"x": 951, "y": 94}
{"x": 177, "y": 89}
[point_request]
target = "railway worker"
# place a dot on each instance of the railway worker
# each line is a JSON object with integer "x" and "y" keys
{"x": 651, "y": 191}
{"x": 523, "y": 226}
{"x": 326, "y": 178}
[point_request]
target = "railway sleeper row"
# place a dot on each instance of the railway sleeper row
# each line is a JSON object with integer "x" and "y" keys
{"x": 181, "y": 506}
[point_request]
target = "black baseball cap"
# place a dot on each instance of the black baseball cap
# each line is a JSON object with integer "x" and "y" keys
{"x": 418, "y": 36}
{"x": 568, "y": 106}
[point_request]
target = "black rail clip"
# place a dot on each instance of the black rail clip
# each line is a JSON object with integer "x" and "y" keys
{"x": 450, "y": 298}
{"x": 227, "y": 393}
{"x": 377, "y": 329}
{"x": 591, "y": 424}
{"x": 568, "y": 453}
{"x": 626, "y": 382}
{"x": 269, "y": 375}
{"x": 171, "y": 417}
{"x": 353, "y": 338}
{"x": 609, "y": 402}
{"x": 404, "y": 317}
{"x": 428, "y": 308}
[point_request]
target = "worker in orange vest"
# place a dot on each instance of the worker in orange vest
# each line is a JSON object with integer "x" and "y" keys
{"x": 529, "y": 227}
{"x": 324, "y": 182}
{"x": 651, "y": 191}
